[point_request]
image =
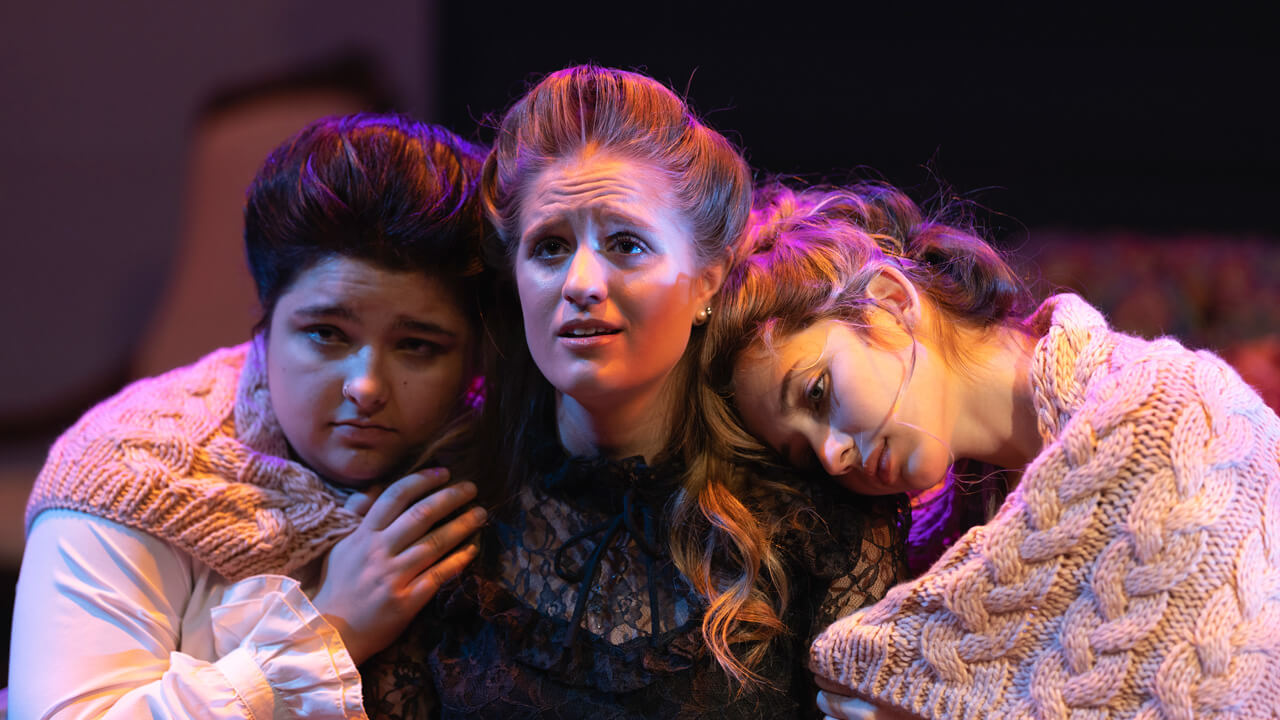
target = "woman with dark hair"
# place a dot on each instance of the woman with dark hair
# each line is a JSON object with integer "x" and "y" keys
{"x": 631, "y": 573}
{"x": 1132, "y": 571}
{"x": 215, "y": 542}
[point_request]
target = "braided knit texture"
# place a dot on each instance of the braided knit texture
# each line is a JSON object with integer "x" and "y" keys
{"x": 1133, "y": 573}
{"x": 196, "y": 457}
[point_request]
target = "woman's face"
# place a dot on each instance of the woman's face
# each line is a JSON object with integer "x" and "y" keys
{"x": 829, "y": 393}
{"x": 364, "y": 366}
{"x": 609, "y": 279}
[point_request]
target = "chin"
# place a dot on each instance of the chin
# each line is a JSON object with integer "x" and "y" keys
{"x": 588, "y": 390}
{"x": 353, "y": 483}
{"x": 932, "y": 471}
{"x": 863, "y": 485}
{"x": 359, "y": 477}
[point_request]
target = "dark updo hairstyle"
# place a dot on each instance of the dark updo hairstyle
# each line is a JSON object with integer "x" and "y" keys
{"x": 388, "y": 190}
{"x": 385, "y": 189}
{"x": 723, "y": 547}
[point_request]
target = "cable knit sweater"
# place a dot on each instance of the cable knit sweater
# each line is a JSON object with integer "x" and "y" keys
{"x": 196, "y": 457}
{"x": 1133, "y": 573}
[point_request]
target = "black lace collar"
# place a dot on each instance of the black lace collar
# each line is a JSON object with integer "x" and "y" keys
{"x": 630, "y": 493}
{"x": 600, "y": 483}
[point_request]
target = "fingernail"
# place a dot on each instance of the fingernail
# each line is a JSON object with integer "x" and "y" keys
{"x": 467, "y": 487}
{"x": 479, "y": 514}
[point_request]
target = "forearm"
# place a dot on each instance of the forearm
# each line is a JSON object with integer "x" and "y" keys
{"x": 106, "y": 625}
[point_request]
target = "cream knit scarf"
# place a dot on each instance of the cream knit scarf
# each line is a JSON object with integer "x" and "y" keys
{"x": 1133, "y": 573}
{"x": 196, "y": 457}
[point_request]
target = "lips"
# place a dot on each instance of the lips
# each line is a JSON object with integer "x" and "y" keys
{"x": 586, "y": 336}
{"x": 587, "y": 329}
{"x": 879, "y": 464}
{"x": 362, "y": 428}
{"x": 363, "y": 434}
{"x": 363, "y": 425}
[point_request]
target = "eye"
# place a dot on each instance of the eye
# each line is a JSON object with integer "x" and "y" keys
{"x": 324, "y": 334}
{"x": 420, "y": 347}
{"x": 816, "y": 393}
{"x": 627, "y": 243}
{"x": 549, "y": 247}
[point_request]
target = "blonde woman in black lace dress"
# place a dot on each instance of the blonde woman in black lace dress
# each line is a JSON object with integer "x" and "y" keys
{"x": 631, "y": 570}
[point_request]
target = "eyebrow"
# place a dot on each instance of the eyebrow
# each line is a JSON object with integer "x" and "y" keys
{"x": 541, "y": 225}
{"x": 785, "y": 404}
{"x": 620, "y": 217}
{"x": 608, "y": 211}
{"x": 409, "y": 323}
{"x": 784, "y": 390}
{"x": 403, "y": 322}
{"x": 326, "y": 311}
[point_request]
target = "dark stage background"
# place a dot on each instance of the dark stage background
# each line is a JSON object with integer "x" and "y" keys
{"x": 1130, "y": 157}
{"x": 1144, "y": 131}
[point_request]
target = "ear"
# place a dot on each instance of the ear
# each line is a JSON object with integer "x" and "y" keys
{"x": 893, "y": 291}
{"x": 707, "y": 283}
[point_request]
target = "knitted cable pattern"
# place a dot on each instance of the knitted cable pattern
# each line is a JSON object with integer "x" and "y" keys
{"x": 197, "y": 458}
{"x": 1133, "y": 573}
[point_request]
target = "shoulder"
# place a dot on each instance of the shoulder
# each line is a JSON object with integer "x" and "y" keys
{"x": 1182, "y": 376}
{"x": 828, "y": 532}
{"x": 214, "y": 374}
{"x": 81, "y": 546}
{"x": 1089, "y": 366}
{"x": 151, "y": 423}
{"x": 210, "y": 382}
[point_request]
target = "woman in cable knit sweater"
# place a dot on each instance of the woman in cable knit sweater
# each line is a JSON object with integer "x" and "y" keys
{"x": 1133, "y": 572}
{"x": 212, "y": 542}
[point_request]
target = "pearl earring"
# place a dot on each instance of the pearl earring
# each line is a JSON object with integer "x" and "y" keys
{"x": 703, "y": 316}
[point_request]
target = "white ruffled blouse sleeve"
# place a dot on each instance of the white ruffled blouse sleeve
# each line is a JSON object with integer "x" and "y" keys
{"x": 110, "y": 622}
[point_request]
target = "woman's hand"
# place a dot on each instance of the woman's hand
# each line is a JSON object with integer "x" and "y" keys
{"x": 838, "y": 702}
{"x": 379, "y": 577}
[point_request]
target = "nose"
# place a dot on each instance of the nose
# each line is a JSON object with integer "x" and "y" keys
{"x": 585, "y": 282}
{"x": 836, "y": 454}
{"x": 364, "y": 384}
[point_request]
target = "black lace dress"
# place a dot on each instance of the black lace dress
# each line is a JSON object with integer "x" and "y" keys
{"x": 577, "y": 611}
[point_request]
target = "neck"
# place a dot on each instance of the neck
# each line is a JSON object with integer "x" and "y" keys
{"x": 617, "y": 427}
{"x": 999, "y": 419}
